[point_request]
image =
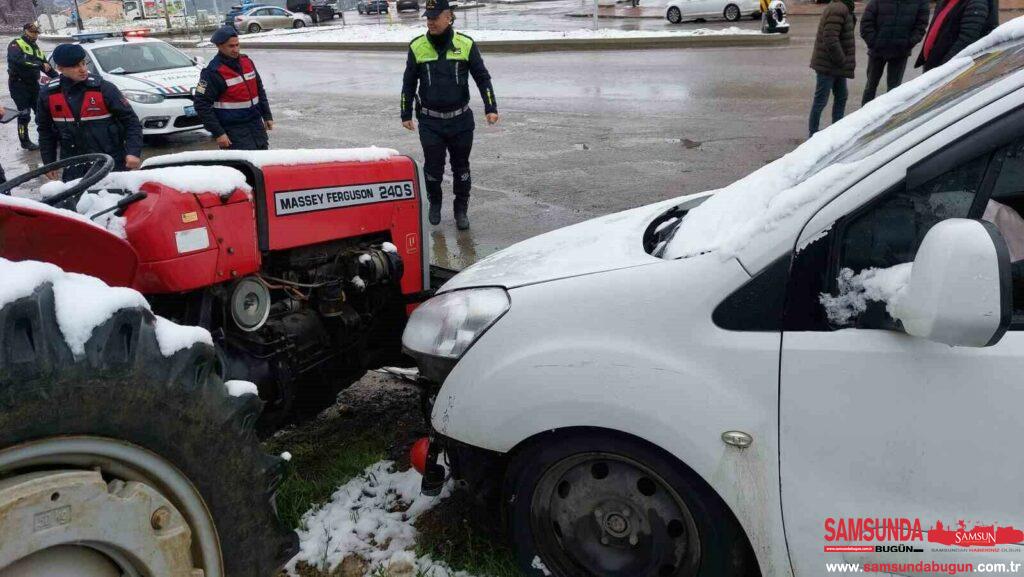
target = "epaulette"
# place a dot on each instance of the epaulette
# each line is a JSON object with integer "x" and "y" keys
{"x": 93, "y": 81}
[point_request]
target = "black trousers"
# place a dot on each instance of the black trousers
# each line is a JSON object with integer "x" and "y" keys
{"x": 250, "y": 136}
{"x": 893, "y": 78}
{"x": 453, "y": 137}
{"x": 25, "y": 97}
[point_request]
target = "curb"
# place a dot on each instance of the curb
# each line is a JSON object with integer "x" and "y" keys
{"x": 553, "y": 45}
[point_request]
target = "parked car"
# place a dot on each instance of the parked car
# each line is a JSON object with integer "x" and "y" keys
{"x": 372, "y": 7}
{"x": 731, "y": 10}
{"x": 407, "y": 5}
{"x": 317, "y": 10}
{"x": 155, "y": 77}
{"x": 836, "y": 339}
{"x": 236, "y": 10}
{"x": 270, "y": 17}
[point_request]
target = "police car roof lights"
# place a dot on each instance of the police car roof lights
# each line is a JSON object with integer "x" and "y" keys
{"x": 92, "y": 36}
{"x": 136, "y": 33}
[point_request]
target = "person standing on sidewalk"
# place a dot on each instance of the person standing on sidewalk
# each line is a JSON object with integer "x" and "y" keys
{"x": 833, "y": 60}
{"x": 956, "y": 25}
{"x": 440, "y": 63}
{"x": 25, "y": 60}
{"x": 230, "y": 98}
{"x": 891, "y": 29}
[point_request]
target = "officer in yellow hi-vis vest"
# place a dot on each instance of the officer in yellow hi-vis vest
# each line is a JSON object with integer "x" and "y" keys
{"x": 440, "y": 63}
{"x": 25, "y": 60}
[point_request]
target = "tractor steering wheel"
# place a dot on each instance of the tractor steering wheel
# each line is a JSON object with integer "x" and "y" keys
{"x": 100, "y": 166}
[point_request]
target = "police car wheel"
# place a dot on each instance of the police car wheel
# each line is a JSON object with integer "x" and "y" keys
{"x": 674, "y": 15}
{"x": 254, "y": 28}
{"x": 732, "y": 13}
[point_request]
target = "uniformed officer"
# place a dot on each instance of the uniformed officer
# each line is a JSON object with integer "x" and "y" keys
{"x": 440, "y": 62}
{"x": 80, "y": 113}
{"x": 230, "y": 97}
{"x": 25, "y": 60}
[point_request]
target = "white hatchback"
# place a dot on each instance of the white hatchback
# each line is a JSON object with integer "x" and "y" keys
{"x": 835, "y": 341}
{"x": 731, "y": 10}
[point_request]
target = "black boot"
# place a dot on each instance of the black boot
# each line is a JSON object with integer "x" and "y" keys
{"x": 26, "y": 143}
{"x": 461, "y": 218}
{"x": 434, "y": 216}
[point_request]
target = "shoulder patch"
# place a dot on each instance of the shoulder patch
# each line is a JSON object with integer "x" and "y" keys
{"x": 55, "y": 83}
{"x": 201, "y": 87}
{"x": 93, "y": 81}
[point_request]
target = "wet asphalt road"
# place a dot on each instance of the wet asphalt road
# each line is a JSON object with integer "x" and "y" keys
{"x": 582, "y": 133}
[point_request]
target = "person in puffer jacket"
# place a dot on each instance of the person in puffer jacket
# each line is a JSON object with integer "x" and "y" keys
{"x": 956, "y": 25}
{"x": 891, "y": 29}
{"x": 834, "y": 60}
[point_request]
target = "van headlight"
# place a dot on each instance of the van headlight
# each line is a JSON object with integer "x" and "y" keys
{"x": 442, "y": 329}
{"x": 143, "y": 97}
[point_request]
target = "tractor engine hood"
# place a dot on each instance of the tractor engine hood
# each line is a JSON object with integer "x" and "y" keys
{"x": 599, "y": 245}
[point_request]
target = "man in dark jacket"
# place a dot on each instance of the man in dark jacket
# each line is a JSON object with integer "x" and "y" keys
{"x": 25, "y": 60}
{"x": 230, "y": 97}
{"x": 81, "y": 113}
{"x": 891, "y": 29}
{"x": 834, "y": 60}
{"x": 956, "y": 25}
{"x": 440, "y": 63}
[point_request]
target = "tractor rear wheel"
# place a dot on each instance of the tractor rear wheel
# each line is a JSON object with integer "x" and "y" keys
{"x": 126, "y": 461}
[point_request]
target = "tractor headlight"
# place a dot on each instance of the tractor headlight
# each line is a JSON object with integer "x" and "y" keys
{"x": 442, "y": 329}
{"x": 143, "y": 97}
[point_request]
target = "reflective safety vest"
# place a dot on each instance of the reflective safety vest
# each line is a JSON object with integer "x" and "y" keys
{"x": 28, "y": 49}
{"x": 237, "y": 103}
{"x": 425, "y": 52}
{"x": 94, "y": 107}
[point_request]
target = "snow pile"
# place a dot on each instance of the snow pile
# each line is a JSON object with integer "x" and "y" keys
{"x": 404, "y": 34}
{"x": 885, "y": 285}
{"x": 83, "y": 302}
{"x": 219, "y": 180}
{"x": 371, "y": 517}
{"x": 239, "y": 388}
{"x": 263, "y": 158}
{"x": 92, "y": 203}
{"x": 759, "y": 203}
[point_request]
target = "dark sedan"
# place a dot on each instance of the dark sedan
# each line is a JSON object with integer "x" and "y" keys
{"x": 408, "y": 5}
{"x": 372, "y": 7}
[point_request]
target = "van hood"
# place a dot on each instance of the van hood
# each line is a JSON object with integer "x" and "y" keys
{"x": 602, "y": 244}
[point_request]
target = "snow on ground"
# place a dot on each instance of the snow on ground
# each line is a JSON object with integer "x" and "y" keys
{"x": 885, "y": 285}
{"x": 263, "y": 158}
{"x": 83, "y": 302}
{"x": 401, "y": 33}
{"x": 759, "y": 203}
{"x": 371, "y": 517}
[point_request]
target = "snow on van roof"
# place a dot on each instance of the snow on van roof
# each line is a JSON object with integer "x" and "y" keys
{"x": 759, "y": 203}
{"x": 263, "y": 158}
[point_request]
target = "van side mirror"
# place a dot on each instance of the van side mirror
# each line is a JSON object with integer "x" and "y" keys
{"x": 199, "y": 60}
{"x": 960, "y": 290}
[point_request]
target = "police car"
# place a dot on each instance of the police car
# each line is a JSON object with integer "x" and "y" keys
{"x": 155, "y": 77}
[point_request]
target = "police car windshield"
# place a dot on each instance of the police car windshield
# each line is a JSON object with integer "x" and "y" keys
{"x": 131, "y": 58}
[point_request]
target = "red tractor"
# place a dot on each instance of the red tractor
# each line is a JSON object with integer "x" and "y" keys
{"x": 122, "y": 452}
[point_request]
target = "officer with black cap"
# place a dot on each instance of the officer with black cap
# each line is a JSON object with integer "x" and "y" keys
{"x": 80, "y": 113}
{"x": 440, "y": 63}
{"x": 25, "y": 60}
{"x": 230, "y": 97}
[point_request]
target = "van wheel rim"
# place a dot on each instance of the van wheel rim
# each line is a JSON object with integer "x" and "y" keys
{"x": 605, "y": 514}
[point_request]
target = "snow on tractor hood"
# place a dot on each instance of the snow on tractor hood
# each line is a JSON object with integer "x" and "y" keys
{"x": 599, "y": 245}
{"x": 261, "y": 158}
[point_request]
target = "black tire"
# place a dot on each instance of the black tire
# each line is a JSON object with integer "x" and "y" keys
{"x": 732, "y": 13}
{"x": 298, "y": 24}
{"x": 723, "y": 547}
{"x": 177, "y": 407}
{"x": 674, "y": 15}
{"x": 254, "y": 28}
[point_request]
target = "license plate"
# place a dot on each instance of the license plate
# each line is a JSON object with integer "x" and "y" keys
{"x": 190, "y": 111}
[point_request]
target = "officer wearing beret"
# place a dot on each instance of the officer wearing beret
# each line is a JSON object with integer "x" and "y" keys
{"x": 80, "y": 114}
{"x": 25, "y": 60}
{"x": 230, "y": 97}
{"x": 440, "y": 63}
